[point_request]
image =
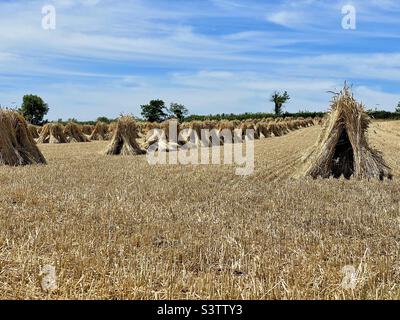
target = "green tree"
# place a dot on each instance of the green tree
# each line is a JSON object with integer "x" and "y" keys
{"x": 178, "y": 110}
{"x": 155, "y": 111}
{"x": 398, "y": 108}
{"x": 103, "y": 119}
{"x": 34, "y": 109}
{"x": 279, "y": 99}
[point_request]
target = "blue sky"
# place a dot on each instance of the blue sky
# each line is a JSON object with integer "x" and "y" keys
{"x": 109, "y": 57}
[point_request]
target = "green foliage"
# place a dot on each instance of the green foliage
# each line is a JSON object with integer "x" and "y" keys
{"x": 155, "y": 111}
{"x": 379, "y": 114}
{"x": 247, "y": 116}
{"x": 279, "y": 99}
{"x": 398, "y": 108}
{"x": 104, "y": 119}
{"x": 34, "y": 109}
{"x": 90, "y": 122}
{"x": 178, "y": 110}
{"x": 383, "y": 115}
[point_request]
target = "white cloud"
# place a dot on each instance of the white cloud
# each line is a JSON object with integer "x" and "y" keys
{"x": 376, "y": 98}
{"x": 106, "y": 57}
{"x": 286, "y": 18}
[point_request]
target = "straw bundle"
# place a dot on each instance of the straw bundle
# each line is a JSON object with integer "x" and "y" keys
{"x": 283, "y": 127}
{"x": 100, "y": 131}
{"x": 224, "y": 124}
{"x": 310, "y": 122}
{"x": 249, "y": 126}
{"x": 74, "y": 134}
{"x": 343, "y": 146}
{"x": 264, "y": 129}
{"x": 292, "y": 125}
{"x": 163, "y": 143}
{"x": 33, "y": 131}
{"x": 87, "y": 129}
{"x": 52, "y": 133}
{"x": 17, "y": 146}
{"x": 275, "y": 129}
{"x": 124, "y": 140}
{"x": 211, "y": 124}
{"x": 111, "y": 129}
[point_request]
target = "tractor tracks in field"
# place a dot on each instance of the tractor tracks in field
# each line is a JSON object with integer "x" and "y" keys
{"x": 284, "y": 153}
{"x": 387, "y": 140}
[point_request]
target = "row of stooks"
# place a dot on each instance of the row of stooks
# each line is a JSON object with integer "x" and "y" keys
{"x": 342, "y": 148}
{"x": 18, "y": 140}
{"x": 72, "y": 132}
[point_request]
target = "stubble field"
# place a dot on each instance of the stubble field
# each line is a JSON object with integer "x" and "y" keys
{"x": 118, "y": 228}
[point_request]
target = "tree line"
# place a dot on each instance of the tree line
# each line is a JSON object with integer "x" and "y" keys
{"x": 34, "y": 109}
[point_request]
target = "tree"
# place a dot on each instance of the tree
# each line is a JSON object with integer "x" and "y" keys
{"x": 398, "y": 108}
{"x": 103, "y": 119}
{"x": 178, "y": 110}
{"x": 279, "y": 99}
{"x": 34, "y": 109}
{"x": 155, "y": 111}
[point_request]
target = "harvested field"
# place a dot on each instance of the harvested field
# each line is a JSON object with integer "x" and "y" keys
{"x": 116, "y": 227}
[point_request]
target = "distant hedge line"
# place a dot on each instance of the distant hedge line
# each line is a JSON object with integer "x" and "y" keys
{"x": 259, "y": 115}
{"x": 382, "y": 115}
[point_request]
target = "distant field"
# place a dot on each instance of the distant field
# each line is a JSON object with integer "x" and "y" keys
{"x": 118, "y": 228}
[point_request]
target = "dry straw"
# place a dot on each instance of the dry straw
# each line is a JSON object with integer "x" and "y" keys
{"x": 73, "y": 133}
{"x": 100, "y": 131}
{"x": 265, "y": 129}
{"x": 276, "y": 129}
{"x": 111, "y": 129}
{"x": 160, "y": 140}
{"x": 165, "y": 126}
{"x": 190, "y": 132}
{"x": 52, "y": 133}
{"x": 87, "y": 129}
{"x": 33, "y": 131}
{"x": 17, "y": 146}
{"x": 342, "y": 149}
{"x": 249, "y": 126}
{"x": 124, "y": 140}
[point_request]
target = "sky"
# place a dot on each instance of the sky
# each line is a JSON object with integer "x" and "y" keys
{"x": 108, "y": 57}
